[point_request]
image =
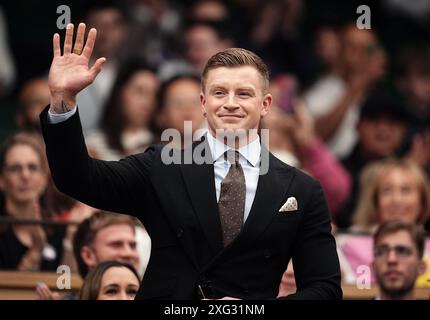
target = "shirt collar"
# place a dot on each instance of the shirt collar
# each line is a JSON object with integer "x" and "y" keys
{"x": 251, "y": 152}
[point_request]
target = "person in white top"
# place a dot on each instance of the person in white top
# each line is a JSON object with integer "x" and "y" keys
{"x": 335, "y": 99}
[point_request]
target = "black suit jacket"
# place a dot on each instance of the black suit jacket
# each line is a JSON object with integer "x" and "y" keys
{"x": 177, "y": 204}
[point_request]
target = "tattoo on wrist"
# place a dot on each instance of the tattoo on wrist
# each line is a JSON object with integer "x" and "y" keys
{"x": 59, "y": 107}
{"x": 64, "y": 107}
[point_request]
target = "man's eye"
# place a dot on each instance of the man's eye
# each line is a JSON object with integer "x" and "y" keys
{"x": 403, "y": 251}
{"x": 218, "y": 93}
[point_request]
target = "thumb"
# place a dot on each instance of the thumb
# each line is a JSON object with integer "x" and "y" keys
{"x": 97, "y": 67}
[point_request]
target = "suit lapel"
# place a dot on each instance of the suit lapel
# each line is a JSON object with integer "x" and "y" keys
{"x": 200, "y": 183}
{"x": 271, "y": 190}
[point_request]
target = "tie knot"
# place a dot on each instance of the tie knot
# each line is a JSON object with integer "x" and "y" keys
{"x": 232, "y": 156}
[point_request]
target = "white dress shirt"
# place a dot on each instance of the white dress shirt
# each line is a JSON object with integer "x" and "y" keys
{"x": 249, "y": 159}
{"x": 60, "y": 117}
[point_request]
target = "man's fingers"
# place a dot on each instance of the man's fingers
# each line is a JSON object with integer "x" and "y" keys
{"x": 79, "y": 42}
{"x": 97, "y": 67}
{"x": 56, "y": 45}
{"x": 89, "y": 45}
{"x": 69, "y": 39}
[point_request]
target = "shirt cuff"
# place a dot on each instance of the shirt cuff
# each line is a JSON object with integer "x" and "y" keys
{"x": 54, "y": 118}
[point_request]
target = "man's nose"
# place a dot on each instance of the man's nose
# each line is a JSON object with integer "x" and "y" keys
{"x": 392, "y": 256}
{"x": 129, "y": 252}
{"x": 231, "y": 102}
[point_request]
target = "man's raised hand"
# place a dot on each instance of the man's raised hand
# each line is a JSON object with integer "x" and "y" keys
{"x": 69, "y": 72}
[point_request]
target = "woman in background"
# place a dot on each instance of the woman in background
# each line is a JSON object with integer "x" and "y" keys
{"x": 110, "y": 280}
{"x": 23, "y": 180}
{"x": 391, "y": 189}
{"x": 126, "y": 126}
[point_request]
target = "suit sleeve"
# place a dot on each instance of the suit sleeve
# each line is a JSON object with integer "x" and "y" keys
{"x": 315, "y": 260}
{"x": 106, "y": 185}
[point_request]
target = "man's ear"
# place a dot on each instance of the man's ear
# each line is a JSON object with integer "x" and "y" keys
{"x": 203, "y": 103}
{"x": 267, "y": 102}
{"x": 87, "y": 254}
{"x": 422, "y": 267}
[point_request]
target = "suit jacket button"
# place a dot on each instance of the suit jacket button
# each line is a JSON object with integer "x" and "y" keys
{"x": 180, "y": 232}
{"x": 267, "y": 254}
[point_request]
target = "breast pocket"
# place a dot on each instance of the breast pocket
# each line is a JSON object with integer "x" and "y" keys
{"x": 288, "y": 216}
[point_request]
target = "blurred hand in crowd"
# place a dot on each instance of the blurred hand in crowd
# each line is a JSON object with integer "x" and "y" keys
{"x": 44, "y": 293}
{"x": 420, "y": 150}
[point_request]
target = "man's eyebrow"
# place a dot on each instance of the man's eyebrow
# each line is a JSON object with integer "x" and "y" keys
{"x": 246, "y": 88}
{"x": 222, "y": 86}
{"x": 116, "y": 241}
{"x": 217, "y": 86}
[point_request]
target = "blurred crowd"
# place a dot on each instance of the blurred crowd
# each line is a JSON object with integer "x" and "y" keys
{"x": 351, "y": 108}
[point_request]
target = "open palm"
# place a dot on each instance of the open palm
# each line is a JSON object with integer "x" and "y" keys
{"x": 69, "y": 72}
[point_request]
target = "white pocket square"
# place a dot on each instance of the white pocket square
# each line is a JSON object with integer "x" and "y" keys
{"x": 289, "y": 205}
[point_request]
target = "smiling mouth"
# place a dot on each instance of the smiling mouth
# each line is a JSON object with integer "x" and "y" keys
{"x": 231, "y": 116}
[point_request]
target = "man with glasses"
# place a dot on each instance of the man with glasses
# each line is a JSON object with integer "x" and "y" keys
{"x": 398, "y": 259}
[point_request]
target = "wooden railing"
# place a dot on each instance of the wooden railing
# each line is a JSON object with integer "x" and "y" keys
{"x": 351, "y": 292}
{"x": 22, "y": 286}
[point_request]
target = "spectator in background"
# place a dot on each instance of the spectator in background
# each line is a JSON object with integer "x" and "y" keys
{"x": 23, "y": 180}
{"x": 210, "y": 10}
{"x": 277, "y": 37}
{"x": 413, "y": 81}
{"x": 33, "y": 97}
{"x": 105, "y": 236}
{"x": 102, "y": 237}
{"x": 154, "y": 30}
{"x": 381, "y": 128}
{"x": 179, "y": 101}
{"x": 202, "y": 39}
{"x": 292, "y": 139}
{"x": 126, "y": 124}
{"x": 111, "y": 280}
{"x": 110, "y": 22}
{"x": 398, "y": 259}
{"x": 327, "y": 46}
{"x": 334, "y": 100}
{"x": 391, "y": 189}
